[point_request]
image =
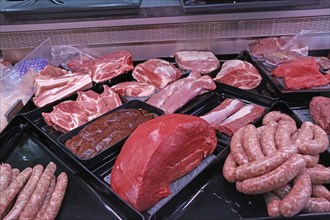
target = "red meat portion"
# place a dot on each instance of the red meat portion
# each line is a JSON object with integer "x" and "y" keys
{"x": 304, "y": 77}
{"x": 197, "y": 61}
{"x": 244, "y": 116}
{"x": 171, "y": 146}
{"x": 111, "y": 65}
{"x": 157, "y": 72}
{"x": 92, "y": 103}
{"x": 319, "y": 109}
{"x": 240, "y": 74}
{"x": 80, "y": 66}
{"x": 66, "y": 116}
{"x": 179, "y": 93}
{"x": 52, "y": 71}
{"x": 222, "y": 111}
{"x": 287, "y": 68}
{"x": 134, "y": 89}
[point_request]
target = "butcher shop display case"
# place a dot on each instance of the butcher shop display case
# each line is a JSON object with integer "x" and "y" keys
{"x": 87, "y": 129}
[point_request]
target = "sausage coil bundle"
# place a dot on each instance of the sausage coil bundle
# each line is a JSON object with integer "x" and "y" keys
{"x": 280, "y": 161}
{"x": 39, "y": 194}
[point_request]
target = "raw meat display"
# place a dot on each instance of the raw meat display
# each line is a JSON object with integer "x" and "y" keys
{"x": 134, "y": 90}
{"x": 157, "y": 72}
{"x": 81, "y": 66}
{"x": 171, "y": 146}
{"x": 319, "y": 108}
{"x": 286, "y": 68}
{"x": 197, "y": 61}
{"x": 222, "y": 111}
{"x": 267, "y": 45}
{"x": 106, "y": 131}
{"x": 77, "y": 83}
{"x": 111, "y": 65}
{"x": 89, "y": 105}
{"x": 180, "y": 92}
{"x": 242, "y": 117}
{"x": 301, "y": 74}
{"x": 285, "y": 176}
{"x": 34, "y": 193}
{"x": 52, "y": 71}
{"x": 240, "y": 74}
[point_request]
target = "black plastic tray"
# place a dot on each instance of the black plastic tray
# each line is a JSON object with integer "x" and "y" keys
{"x": 18, "y": 10}
{"x": 23, "y": 145}
{"x": 196, "y": 181}
{"x": 219, "y": 199}
{"x": 294, "y": 98}
{"x": 36, "y": 118}
{"x": 226, "y": 6}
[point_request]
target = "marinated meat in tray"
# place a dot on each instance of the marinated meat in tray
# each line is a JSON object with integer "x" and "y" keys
{"x": 197, "y": 61}
{"x": 281, "y": 162}
{"x": 106, "y": 131}
{"x": 240, "y": 74}
{"x": 180, "y": 92}
{"x": 319, "y": 109}
{"x": 156, "y": 72}
{"x": 31, "y": 193}
{"x": 89, "y": 105}
{"x": 171, "y": 146}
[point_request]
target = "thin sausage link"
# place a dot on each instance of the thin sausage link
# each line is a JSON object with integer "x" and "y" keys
{"x": 237, "y": 149}
{"x": 320, "y": 191}
{"x": 229, "y": 169}
{"x": 251, "y": 143}
{"x": 317, "y": 205}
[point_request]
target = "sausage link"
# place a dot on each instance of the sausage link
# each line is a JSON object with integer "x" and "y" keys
{"x": 267, "y": 141}
{"x": 14, "y": 173}
{"x": 229, "y": 169}
{"x": 260, "y": 130}
{"x": 321, "y": 191}
{"x": 283, "y": 135}
{"x": 5, "y": 177}
{"x": 283, "y": 191}
{"x": 319, "y": 175}
{"x": 311, "y": 160}
{"x": 31, "y": 209}
{"x": 274, "y": 117}
{"x": 274, "y": 179}
{"x": 237, "y": 149}
{"x": 24, "y": 196}
{"x": 273, "y": 204}
{"x": 317, "y": 205}
{"x": 296, "y": 200}
{"x": 251, "y": 143}
{"x": 318, "y": 145}
{"x": 57, "y": 197}
{"x": 47, "y": 199}
{"x": 263, "y": 165}
{"x": 305, "y": 133}
{"x": 13, "y": 189}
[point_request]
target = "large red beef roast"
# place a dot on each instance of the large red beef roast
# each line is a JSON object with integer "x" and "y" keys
{"x": 157, "y": 153}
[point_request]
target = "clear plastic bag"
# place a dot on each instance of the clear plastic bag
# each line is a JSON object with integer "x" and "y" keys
{"x": 276, "y": 50}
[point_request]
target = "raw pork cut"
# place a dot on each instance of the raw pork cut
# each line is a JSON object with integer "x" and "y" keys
{"x": 244, "y": 116}
{"x": 240, "y": 74}
{"x": 179, "y": 93}
{"x": 66, "y": 116}
{"x": 286, "y": 68}
{"x": 131, "y": 90}
{"x": 92, "y": 103}
{"x": 222, "y": 111}
{"x": 106, "y": 131}
{"x": 319, "y": 109}
{"x": 157, "y": 153}
{"x": 52, "y": 71}
{"x": 111, "y": 98}
{"x": 111, "y": 65}
{"x": 89, "y": 103}
{"x": 197, "y": 61}
{"x": 80, "y": 66}
{"x": 157, "y": 72}
{"x": 267, "y": 45}
{"x": 77, "y": 83}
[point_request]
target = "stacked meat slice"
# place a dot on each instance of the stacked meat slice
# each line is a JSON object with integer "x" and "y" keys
{"x": 89, "y": 105}
{"x": 52, "y": 84}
